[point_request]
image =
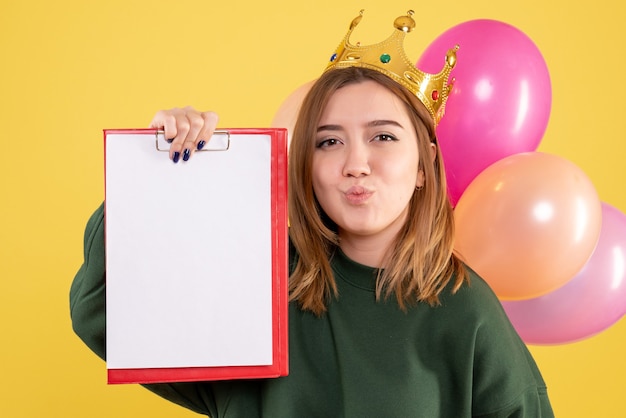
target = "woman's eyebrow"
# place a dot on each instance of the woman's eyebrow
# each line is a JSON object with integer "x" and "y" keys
{"x": 373, "y": 123}
{"x": 329, "y": 128}
{"x": 383, "y": 122}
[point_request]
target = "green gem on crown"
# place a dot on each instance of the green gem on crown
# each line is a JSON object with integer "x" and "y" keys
{"x": 385, "y": 58}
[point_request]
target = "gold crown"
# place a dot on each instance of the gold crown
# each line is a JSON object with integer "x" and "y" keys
{"x": 389, "y": 58}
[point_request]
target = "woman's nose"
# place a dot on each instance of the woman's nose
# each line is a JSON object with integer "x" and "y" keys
{"x": 356, "y": 163}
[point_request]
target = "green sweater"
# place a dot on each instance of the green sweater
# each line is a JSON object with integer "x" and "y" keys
{"x": 362, "y": 358}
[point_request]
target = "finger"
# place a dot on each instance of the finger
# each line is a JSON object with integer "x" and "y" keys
{"x": 210, "y": 123}
{"x": 196, "y": 124}
{"x": 166, "y": 121}
{"x": 173, "y": 123}
{"x": 182, "y": 127}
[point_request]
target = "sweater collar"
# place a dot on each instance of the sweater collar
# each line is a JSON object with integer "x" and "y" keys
{"x": 355, "y": 274}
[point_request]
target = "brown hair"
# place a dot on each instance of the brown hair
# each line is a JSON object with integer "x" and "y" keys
{"x": 421, "y": 261}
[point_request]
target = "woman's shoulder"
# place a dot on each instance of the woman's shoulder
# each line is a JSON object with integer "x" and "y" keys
{"x": 473, "y": 286}
{"x": 473, "y": 298}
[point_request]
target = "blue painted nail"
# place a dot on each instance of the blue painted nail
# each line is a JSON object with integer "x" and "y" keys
{"x": 176, "y": 156}
{"x": 186, "y": 154}
{"x": 170, "y": 140}
{"x": 201, "y": 145}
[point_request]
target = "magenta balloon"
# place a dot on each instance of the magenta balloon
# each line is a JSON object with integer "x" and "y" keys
{"x": 501, "y": 100}
{"x": 589, "y": 303}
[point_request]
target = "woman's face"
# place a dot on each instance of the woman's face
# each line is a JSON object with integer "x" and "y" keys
{"x": 365, "y": 163}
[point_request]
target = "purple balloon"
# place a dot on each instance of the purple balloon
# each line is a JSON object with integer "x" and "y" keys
{"x": 589, "y": 303}
{"x": 501, "y": 99}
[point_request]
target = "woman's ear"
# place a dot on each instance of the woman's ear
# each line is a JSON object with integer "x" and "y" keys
{"x": 419, "y": 183}
{"x": 433, "y": 152}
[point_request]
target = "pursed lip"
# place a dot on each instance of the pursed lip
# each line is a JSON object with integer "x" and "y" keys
{"x": 358, "y": 194}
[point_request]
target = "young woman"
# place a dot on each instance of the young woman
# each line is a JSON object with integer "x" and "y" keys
{"x": 384, "y": 319}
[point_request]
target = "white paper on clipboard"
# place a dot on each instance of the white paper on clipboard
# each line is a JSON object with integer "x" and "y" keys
{"x": 189, "y": 253}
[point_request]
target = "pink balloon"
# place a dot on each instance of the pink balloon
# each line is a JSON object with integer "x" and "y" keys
{"x": 592, "y": 301}
{"x": 500, "y": 102}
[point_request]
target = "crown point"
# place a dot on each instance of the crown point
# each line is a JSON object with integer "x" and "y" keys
{"x": 451, "y": 56}
{"x": 405, "y": 23}
{"x": 356, "y": 20}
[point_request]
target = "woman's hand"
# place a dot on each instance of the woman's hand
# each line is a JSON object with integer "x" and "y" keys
{"x": 187, "y": 130}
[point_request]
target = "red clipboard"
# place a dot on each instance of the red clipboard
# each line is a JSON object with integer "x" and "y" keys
{"x": 196, "y": 257}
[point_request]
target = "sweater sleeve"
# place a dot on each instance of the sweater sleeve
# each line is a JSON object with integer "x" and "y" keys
{"x": 87, "y": 311}
{"x": 87, "y": 293}
{"x": 507, "y": 381}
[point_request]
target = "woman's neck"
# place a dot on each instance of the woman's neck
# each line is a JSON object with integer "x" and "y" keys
{"x": 367, "y": 250}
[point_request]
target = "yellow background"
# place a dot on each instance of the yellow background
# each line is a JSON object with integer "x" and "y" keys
{"x": 71, "y": 68}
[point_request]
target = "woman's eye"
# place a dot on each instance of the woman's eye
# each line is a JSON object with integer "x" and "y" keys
{"x": 385, "y": 137}
{"x": 329, "y": 142}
